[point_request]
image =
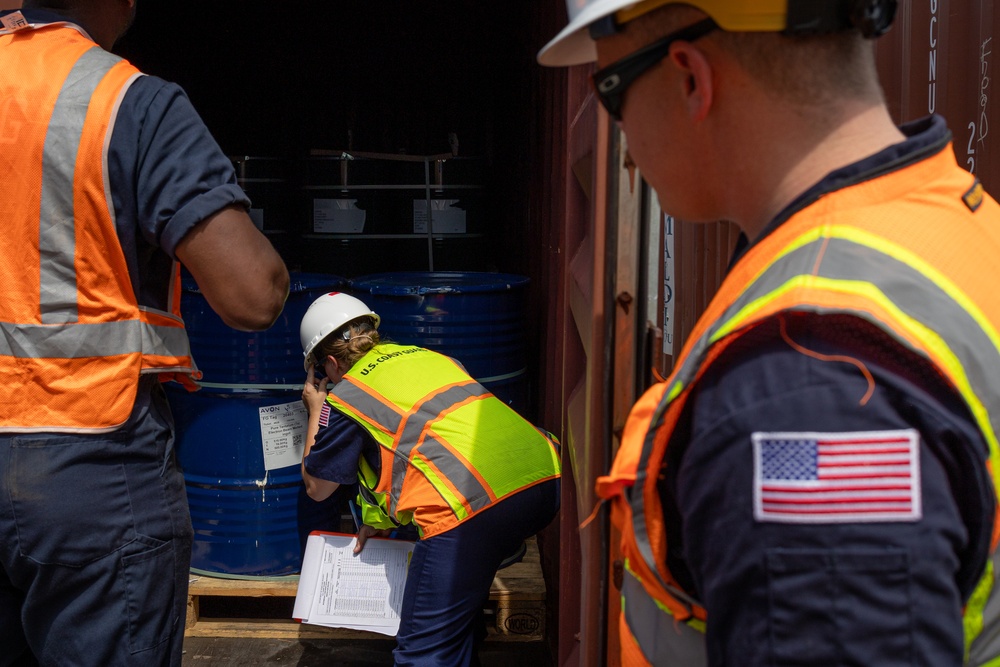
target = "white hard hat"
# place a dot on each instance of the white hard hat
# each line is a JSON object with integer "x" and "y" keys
{"x": 574, "y": 45}
{"x": 327, "y": 314}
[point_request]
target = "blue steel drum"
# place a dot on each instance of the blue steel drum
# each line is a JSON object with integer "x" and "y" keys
{"x": 227, "y": 356}
{"x": 476, "y": 318}
{"x": 248, "y": 521}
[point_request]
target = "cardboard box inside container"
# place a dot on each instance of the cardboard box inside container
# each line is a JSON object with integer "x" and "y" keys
{"x": 448, "y": 217}
{"x": 338, "y": 216}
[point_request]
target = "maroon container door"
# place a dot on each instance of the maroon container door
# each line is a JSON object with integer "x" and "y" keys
{"x": 938, "y": 58}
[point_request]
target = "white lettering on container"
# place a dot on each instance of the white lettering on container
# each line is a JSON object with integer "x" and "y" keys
{"x": 978, "y": 136}
{"x": 932, "y": 59}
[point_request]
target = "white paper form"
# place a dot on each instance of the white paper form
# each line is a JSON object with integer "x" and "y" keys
{"x": 283, "y": 434}
{"x": 360, "y": 592}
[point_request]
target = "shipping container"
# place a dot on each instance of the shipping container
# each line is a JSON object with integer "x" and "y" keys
{"x": 406, "y": 92}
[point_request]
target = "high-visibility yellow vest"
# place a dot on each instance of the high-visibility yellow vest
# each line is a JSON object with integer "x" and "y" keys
{"x": 913, "y": 252}
{"x": 75, "y": 339}
{"x": 449, "y": 448}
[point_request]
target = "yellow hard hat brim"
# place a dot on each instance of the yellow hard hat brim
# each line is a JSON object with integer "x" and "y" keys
{"x": 573, "y": 45}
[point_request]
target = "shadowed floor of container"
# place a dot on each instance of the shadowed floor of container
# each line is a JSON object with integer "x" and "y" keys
{"x": 223, "y": 652}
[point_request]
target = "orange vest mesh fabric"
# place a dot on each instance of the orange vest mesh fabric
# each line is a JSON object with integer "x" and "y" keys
{"x": 65, "y": 390}
{"x": 921, "y": 213}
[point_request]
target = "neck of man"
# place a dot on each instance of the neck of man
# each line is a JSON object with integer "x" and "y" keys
{"x": 94, "y": 17}
{"x": 798, "y": 150}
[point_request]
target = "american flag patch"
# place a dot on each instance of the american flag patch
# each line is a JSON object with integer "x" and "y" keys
{"x": 837, "y": 477}
{"x": 324, "y": 415}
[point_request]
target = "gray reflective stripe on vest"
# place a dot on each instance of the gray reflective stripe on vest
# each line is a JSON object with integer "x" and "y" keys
{"x": 910, "y": 290}
{"x": 57, "y": 235}
{"x": 166, "y": 341}
{"x": 407, "y": 435}
{"x": 441, "y": 457}
{"x": 417, "y": 421}
{"x": 663, "y": 640}
{"x": 81, "y": 341}
{"x": 375, "y": 410}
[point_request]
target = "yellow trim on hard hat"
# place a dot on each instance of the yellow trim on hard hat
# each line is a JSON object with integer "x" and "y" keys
{"x": 732, "y": 15}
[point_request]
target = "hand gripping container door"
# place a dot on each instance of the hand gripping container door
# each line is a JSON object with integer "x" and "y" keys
{"x": 476, "y": 318}
{"x": 237, "y": 439}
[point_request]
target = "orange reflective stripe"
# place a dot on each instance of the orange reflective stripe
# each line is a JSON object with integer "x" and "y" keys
{"x": 624, "y": 467}
{"x": 650, "y": 535}
{"x": 875, "y": 250}
{"x": 631, "y": 653}
{"x": 413, "y": 432}
{"x": 651, "y": 579}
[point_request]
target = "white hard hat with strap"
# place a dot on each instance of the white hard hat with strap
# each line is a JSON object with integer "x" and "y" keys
{"x": 575, "y": 45}
{"x": 328, "y": 314}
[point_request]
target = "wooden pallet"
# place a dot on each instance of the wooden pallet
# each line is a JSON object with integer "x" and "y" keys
{"x": 516, "y": 609}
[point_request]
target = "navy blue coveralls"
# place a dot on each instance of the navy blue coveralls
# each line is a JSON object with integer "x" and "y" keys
{"x": 880, "y": 594}
{"x": 450, "y": 574}
{"x": 95, "y": 534}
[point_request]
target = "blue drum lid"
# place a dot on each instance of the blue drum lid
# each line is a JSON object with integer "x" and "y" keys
{"x": 474, "y": 317}
{"x": 273, "y": 356}
{"x": 298, "y": 282}
{"x": 437, "y": 282}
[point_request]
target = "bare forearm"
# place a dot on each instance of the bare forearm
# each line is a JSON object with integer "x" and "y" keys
{"x": 237, "y": 269}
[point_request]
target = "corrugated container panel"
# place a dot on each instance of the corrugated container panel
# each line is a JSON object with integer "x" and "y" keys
{"x": 938, "y": 58}
{"x": 701, "y": 257}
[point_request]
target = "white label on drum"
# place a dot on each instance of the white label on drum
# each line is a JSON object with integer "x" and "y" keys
{"x": 283, "y": 434}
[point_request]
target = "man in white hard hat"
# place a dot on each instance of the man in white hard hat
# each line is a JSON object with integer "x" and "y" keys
{"x": 815, "y": 482}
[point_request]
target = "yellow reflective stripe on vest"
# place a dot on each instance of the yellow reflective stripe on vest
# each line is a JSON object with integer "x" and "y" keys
{"x": 921, "y": 302}
{"x": 927, "y": 304}
{"x": 661, "y": 638}
{"x": 977, "y": 645}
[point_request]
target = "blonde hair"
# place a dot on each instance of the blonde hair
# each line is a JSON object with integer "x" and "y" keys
{"x": 349, "y": 343}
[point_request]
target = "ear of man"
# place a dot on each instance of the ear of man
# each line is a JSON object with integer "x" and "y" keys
{"x": 696, "y": 79}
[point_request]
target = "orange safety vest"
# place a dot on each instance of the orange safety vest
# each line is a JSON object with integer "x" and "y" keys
{"x": 912, "y": 252}
{"x": 75, "y": 338}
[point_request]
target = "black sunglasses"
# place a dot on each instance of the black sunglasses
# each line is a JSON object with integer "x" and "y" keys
{"x": 612, "y": 81}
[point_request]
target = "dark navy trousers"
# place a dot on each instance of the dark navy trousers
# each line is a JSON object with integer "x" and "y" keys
{"x": 450, "y": 576}
{"x": 95, "y": 543}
